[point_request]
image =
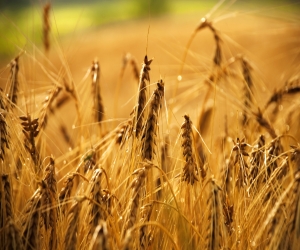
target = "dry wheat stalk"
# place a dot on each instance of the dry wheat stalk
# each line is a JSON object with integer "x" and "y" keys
{"x": 150, "y": 130}
{"x": 142, "y": 97}
{"x": 98, "y": 105}
{"x": 215, "y": 237}
{"x": 190, "y": 170}
{"x": 46, "y": 26}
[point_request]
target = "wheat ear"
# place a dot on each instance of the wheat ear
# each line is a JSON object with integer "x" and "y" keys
{"x": 49, "y": 202}
{"x": 14, "y": 81}
{"x": 31, "y": 223}
{"x": 66, "y": 190}
{"x": 13, "y": 239}
{"x": 190, "y": 170}
{"x": 150, "y": 130}
{"x": 142, "y": 98}
{"x": 246, "y": 69}
{"x": 46, "y": 26}
{"x": 98, "y": 105}
{"x": 73, "y": 224}
{"x": 4, "y": 137}
{"x": 214, "y": 232}
{"x": 6, "y": 207}
{"x": 137, "y": 185}
{"x": 30, "y": 130}
{"x": 95, "y": 211}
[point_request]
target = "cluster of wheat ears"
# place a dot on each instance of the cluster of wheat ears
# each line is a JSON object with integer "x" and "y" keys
{"x": 149, "y": 182}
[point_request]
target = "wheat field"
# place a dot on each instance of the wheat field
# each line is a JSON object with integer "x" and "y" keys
{"x": 163, "y": 133}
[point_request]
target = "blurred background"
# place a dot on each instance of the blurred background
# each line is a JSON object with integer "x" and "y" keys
{"x": 22, "y": 19}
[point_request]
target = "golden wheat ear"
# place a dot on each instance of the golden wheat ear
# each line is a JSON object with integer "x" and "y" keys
{"x": 98, "y": 105}
{"x": 150, "y": 130}
{"x": 14, "y": 82}
{"x": 31, "y": 220}
{"x": 192, "y": 167}
{"x": 49, "y": 203}
{"x": 142, "y": 96}
{"x": 46, "y": 26}
{"x": 13, "y": 240}
{"x": 30, "y": 131}
{"x": 215, "y": 235}
{"x": 73, "y": 224}
{"x": 137, "y": 186}
{"x": 4, "y": 136}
